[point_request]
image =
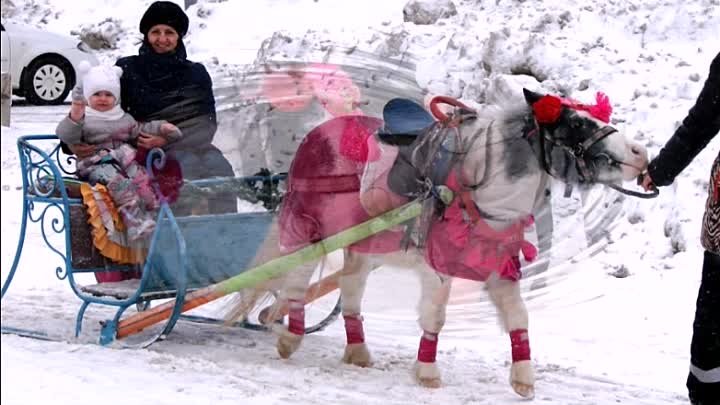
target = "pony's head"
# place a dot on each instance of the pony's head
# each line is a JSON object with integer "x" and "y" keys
{"x": 575, "y": 142}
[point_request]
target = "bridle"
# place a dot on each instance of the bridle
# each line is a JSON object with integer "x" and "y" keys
{"x": 579, "y": 153}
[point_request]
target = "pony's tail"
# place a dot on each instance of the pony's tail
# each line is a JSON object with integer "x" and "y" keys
{"x": 269, "y": 295}
{"x": 244, "y": 302}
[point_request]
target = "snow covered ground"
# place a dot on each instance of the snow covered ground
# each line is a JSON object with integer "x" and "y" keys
{"x": 596, "y": 338}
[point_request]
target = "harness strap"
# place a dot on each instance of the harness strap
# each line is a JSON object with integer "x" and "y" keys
{"x": 469, "y": 206}
{"x": 596, "y": 137}
{"x": 326, "y": 184}
{"x": 579, "y": 150}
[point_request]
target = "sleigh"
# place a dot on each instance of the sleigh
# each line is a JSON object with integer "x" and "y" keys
{"x": 180, "y": 259}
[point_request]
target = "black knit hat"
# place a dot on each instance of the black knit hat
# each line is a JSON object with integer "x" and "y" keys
{"x": 164, "y": 12}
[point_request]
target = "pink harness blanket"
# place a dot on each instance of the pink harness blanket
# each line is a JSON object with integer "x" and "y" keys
{"x": 460, "y": 247}
{"x": 323, "y": 195}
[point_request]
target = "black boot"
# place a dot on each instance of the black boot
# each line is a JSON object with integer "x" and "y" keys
{"x": 706, "y": 402}
{"x": 703, "y": 382}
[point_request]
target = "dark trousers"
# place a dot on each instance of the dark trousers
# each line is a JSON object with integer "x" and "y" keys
{"x": 704, "y": 379}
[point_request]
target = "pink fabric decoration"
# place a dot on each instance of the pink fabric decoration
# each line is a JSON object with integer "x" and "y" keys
{"x": 601, "y": 110}
{"x": 335, "y": 89}
{"x": 324, "y": 186}
{"x": 427, "y": 352}
{"x": 474, "y": 251}
{"x": 296, "y": 317}
{"x": 354, "y": 329}
{"x": 520, "y": 345}
{"x": 287, "y": 92}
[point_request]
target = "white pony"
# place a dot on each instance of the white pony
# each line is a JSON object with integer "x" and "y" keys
{"x": 500, "y": 169}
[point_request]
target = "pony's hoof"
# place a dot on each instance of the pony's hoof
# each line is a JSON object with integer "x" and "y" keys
{"x": 287, "y": 346}
{"x": 430, "y": 382}
{"x": 524, "y": 390}
{"x": 264, "y": 316}
{"x": 357, "y": 354}
{"x": 428, "y": 375}
{"x": 288, "y": 343}
{"x": 522, "y": 379}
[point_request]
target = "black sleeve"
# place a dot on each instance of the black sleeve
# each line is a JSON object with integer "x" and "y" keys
{"x": 125, "y": 96}
{"x": 206, "y": 84}
{"x": 65, "y": 148}
{"x": 698, "y": 128}
{"x": 204, "y": 81}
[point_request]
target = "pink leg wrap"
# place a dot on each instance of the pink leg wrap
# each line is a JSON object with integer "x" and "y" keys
{"x": 520, "y": 345}
{"x": 296, "y": 317}
{"x": 354, "y": 329}
{"x": 428, "y": 347}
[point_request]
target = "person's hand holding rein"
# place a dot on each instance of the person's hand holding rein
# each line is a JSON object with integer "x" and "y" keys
{"x": 647, "y": 183}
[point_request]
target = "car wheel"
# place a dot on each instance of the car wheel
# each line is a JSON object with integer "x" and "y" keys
{"x": 48, "y": 80}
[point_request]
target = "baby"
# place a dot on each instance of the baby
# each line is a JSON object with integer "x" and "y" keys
{"x": 104, "y": 124}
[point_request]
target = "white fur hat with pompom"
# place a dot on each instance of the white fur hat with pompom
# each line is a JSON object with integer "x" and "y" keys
{"x": 100, "y": 78}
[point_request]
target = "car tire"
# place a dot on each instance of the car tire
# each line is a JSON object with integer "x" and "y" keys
{"x": 48, "y": 80}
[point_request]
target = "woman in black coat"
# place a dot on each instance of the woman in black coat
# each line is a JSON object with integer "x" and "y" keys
{"x": 698, "y": 128}
{"x": 161, "y": 83}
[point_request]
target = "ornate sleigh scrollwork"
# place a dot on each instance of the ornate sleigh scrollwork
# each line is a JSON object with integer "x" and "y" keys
{"x": 156, "y": 159}
{"x": 47, "y": 220}
{"x": 43, "y": 171}
{"x": 66, "y": 163}
{"x": 43, "y": 182}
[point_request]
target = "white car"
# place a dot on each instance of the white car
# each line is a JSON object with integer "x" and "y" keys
{"x": 42, "y": 64}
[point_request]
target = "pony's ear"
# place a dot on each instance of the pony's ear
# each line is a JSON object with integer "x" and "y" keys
{"x": 531, "y": 97}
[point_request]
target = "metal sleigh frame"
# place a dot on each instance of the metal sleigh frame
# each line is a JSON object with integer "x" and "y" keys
{"x": 44, "y": 182}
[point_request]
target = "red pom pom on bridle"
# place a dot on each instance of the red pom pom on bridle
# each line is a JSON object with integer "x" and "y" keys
{"x": 547, "y": 110}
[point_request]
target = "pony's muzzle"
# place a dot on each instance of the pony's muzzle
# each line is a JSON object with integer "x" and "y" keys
{"x": 636, "y": 160}
{"x": 639, "y": 153}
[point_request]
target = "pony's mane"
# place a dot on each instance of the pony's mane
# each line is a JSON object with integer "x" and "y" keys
{"x": 514, "y": 120}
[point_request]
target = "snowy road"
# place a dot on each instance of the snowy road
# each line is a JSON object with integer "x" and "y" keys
{"x": 596, "y": 339}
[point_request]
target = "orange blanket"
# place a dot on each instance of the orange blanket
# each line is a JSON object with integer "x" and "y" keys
{"x": 108, "y": 230}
